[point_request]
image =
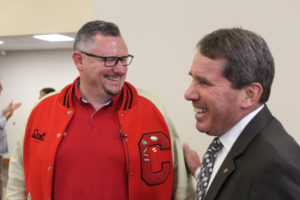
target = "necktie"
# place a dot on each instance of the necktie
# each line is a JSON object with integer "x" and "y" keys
{"x": 207, "y": 168}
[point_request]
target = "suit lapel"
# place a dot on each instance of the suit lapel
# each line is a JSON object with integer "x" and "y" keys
{"x": 228, "y": 166}
{"x": 223, "y": 173}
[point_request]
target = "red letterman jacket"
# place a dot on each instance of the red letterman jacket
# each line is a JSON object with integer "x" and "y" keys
{"x": 145, "y": 136}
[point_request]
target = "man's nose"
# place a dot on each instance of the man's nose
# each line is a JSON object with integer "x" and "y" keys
{"x": 191, "y": 93}
{"x": 120, "y": 68}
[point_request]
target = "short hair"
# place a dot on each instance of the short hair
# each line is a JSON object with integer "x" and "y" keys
{"x": 47, "y": 90}
{"x": 86, "y": 33}
{"x": 247, "y": 54}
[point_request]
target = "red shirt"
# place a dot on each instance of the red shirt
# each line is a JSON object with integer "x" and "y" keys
{"x": 90, "y": 161}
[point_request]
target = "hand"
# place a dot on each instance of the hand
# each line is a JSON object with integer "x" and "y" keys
{"x": 8, "y": 108}
{"x": 191, "y": 158}
{"x": 9, "y": 114}
{"x": 16, "y": 106}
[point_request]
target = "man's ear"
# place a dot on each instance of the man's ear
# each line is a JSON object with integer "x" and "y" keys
{"x": 251, "y": 94}
{"x": 77, "y": 59}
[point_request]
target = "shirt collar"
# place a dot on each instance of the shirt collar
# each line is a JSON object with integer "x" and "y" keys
{"x": 232, "y": 134}
{"x": 80, "y": 98}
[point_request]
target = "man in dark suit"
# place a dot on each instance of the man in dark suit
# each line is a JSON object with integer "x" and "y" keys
{"x": 252, "y": 156}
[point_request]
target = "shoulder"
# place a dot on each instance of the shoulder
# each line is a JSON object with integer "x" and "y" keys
{"x": 152, "y": 98}
{"x": 275, "y": 137}
{"x": 47, "y": 99}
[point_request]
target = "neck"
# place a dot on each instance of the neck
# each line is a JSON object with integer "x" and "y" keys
{"x": 97, "y": 105}
{"x": 96, "y": 99}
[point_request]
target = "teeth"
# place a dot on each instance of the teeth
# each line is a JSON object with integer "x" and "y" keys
{"x": 200, "y": 110}
{"x": 113, "y": 79}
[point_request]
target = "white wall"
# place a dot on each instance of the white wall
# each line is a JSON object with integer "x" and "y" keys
{"x": 24, "y": 74}
{"x": 40, "y": 17}
{"x": 162, "y": 35}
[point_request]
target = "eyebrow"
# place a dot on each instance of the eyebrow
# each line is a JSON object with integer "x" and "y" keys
{"x": 202, "y": 79}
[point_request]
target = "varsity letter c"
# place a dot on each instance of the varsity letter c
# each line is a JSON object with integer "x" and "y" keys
{"x": 146, "y": 146}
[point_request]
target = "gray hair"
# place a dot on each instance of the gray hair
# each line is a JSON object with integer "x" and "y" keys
{"x": 248, "y": 57}
{"x": 86, "y": 33}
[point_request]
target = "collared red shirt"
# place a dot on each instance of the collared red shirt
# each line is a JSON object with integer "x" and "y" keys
{"x": 90, "y": 161}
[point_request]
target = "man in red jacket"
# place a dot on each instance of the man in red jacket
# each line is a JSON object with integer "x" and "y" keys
{"x": 99, "y": 138}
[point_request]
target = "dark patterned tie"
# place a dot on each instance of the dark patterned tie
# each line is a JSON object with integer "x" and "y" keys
{"x": 207, "y": 168}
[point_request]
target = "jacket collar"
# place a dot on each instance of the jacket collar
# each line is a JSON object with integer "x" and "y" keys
{"x": 248, "y": 134}
{"x": 128, "y": 95}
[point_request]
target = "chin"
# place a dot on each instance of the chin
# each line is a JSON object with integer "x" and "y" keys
{"x": 112, "y": 92}
{"x": 200, "y": 129}
{"x": 203, "y": 129}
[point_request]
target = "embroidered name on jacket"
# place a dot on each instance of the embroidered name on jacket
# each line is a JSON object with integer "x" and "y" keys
{"x": 37, "y": 135}
{"x": 153, "y": 150}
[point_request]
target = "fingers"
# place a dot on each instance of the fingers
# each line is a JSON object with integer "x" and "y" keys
{"x": 191, "y": 158}
{"x": 186, "y": 147}
{"x": 16, "y": 106}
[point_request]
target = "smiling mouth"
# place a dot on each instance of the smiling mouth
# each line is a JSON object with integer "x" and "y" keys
{"x": 200, "y": 110}
{"x": 113, "y": 78}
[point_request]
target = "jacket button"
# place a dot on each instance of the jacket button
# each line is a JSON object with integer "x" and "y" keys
{"x": 58, "y": 135}
{"x": 49, "y": 168}
{"x": 153, "y": 138}
{"x": 122, "y": 114}
{"x": 69, "y": 111}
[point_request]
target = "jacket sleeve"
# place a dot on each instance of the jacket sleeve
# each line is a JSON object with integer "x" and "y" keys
{"x": 16, "y": 189}
{"x": 183, "y": 180}
{"x": 2, "y": 120}
{"x": 278, "y": 179}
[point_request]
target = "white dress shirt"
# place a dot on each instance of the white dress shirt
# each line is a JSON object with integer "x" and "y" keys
{"x": 228, "y": 139}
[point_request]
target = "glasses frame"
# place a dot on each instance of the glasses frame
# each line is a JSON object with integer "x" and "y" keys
{"x": 107, "y": 57}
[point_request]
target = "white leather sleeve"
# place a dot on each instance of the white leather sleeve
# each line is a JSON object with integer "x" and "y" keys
{"x": 183, "y": 180}
{"x": 16, "y": 189}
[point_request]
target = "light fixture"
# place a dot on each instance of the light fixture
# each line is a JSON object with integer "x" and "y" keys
{"x": 1, "y": 42}
{"x": 54, "y": 37}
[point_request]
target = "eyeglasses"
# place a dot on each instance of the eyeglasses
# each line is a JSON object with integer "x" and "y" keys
{"x": 111, "y": 61}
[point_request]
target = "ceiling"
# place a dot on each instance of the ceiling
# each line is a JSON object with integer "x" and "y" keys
{"x": 27, "y": 42}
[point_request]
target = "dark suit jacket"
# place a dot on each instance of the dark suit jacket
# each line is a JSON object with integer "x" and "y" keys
{"x": 263, "y": 164}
